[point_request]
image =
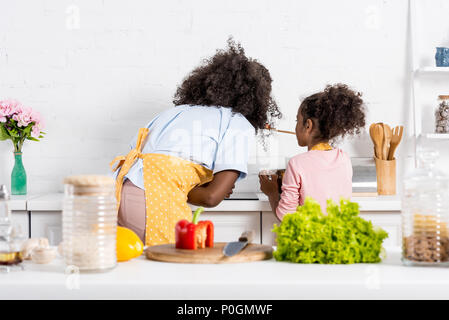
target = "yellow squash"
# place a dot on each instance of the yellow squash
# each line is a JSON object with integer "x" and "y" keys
{"x": 129, "y": 245}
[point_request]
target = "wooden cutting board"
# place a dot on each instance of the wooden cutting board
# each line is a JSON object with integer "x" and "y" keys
{"x": 168, "y": 253}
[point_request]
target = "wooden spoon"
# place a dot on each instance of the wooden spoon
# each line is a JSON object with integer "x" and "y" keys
{"x": 395, "y": 140}
{"x": 378, "y": 137}
{"x": 268, "y": 127}
{"x": 283, "y": 131}
{"x": 386, "y": 142}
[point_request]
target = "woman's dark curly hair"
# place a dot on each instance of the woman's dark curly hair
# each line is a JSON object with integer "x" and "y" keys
{"x": 338, "y": 110}
{"x": 230, "y": 79}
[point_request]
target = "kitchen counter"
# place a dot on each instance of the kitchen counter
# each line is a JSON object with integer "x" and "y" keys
{"x": 19, "y": 203}
{"x": 144, "y": 279}
{"x": 53, "y": 202}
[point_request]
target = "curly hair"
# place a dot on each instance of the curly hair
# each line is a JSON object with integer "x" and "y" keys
{"x": 338, "y": 110}
{"x": 230, "y": 79}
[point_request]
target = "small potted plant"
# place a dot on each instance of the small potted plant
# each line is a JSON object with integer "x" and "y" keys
{"x": 19, "y": 123}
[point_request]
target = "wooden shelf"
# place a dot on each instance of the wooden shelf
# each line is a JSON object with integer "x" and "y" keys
{"x": 442, "y": 136}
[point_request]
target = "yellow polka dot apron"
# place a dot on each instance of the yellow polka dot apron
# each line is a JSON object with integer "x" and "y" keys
{"x": 167, "y": 181}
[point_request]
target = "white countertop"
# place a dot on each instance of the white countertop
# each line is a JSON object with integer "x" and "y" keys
{"x": 144, "y": 279}
{"x": 53, "y": 202}
{"x": 19, "y": 203}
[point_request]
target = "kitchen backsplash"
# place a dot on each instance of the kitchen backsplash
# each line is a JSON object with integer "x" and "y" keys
{"x": 104, "y": 69}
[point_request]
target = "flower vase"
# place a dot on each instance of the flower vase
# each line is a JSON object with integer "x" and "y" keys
{"x": 18, "y": 176}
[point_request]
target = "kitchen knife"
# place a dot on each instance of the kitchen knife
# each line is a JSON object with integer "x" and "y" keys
{"x": 232, "y": 248}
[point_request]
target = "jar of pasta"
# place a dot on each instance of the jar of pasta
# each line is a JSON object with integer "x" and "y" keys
{"x": 442, "y": 115}
{"x": 425, "y": 214}
{"x": 89, "y": 222}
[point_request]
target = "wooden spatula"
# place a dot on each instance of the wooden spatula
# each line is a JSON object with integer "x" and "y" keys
{"x": 377, "y": 136}
{"x": 371, "y": 134}
{"x": 386, "y": 141}
{"x": 395, "y": 140}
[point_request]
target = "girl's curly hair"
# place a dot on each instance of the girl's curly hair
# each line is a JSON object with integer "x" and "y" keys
{"x": 338, "y": 110}
{"x": 230, "y": 79}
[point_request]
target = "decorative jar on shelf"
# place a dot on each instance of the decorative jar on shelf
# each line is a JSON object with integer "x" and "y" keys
{"x": 442, "y": 57}
{"x": 442, "y": 115}
{"x": 425, "y": 214}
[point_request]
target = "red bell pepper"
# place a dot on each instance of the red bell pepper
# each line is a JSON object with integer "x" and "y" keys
{"x": 195, "y": 234}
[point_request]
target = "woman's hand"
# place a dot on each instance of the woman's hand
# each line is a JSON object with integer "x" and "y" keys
{"x": 211, "y": 194}
{"x": 228, "y": 194}
{"x": 269, "y": 185}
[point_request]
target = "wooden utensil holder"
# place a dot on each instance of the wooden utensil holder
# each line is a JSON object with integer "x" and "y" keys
{"x": 386, "y": 176}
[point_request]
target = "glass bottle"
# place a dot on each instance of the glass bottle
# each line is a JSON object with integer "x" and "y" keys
{"x": 10, "y": 242}
{"x": 18, "y": 176}
{"x": 89, "y": 223}
{"x": 425, "y": 214}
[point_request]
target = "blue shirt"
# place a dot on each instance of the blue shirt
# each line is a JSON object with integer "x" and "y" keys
{"x": 213, "y": 137}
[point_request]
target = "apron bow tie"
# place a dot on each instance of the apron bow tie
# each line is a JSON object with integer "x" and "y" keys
{"x": 126, "y": 162}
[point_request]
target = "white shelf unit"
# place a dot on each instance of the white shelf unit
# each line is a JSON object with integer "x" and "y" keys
{"x": 441, "y": 136}
{"x": 417, "y": 73}
{"x": 432, "y": 70}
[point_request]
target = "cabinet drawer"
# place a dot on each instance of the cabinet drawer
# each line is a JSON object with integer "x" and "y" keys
{"x": 229, "y": 226}
{"x": 268, "y": 220}
{"x": 20, "y": 219}
{"x": 47, "y": 224}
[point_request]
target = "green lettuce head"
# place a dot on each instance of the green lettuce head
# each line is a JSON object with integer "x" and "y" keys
{"x": 341, "y": 237}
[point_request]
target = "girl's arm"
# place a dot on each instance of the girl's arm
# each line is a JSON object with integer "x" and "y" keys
{"x": 288, "y": 201}
{"x": 212, "y": 193}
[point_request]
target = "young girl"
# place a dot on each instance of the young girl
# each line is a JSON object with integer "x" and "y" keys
{"x": 323, "y": 172}
{"x": 196, "y": 151}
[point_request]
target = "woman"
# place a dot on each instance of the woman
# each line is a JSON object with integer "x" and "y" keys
{"x": 196, "y": 151}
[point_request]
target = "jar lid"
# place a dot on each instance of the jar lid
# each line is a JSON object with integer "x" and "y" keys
{"x": 443, "y": 97}
{"x": 89, "y": 180}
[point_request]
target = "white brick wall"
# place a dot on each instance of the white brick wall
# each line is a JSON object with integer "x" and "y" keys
{"x": 99, "y": 69}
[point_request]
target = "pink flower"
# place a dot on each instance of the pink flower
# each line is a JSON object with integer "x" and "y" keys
{"x": 37, "y": 119}
{"x": 9, "y": 107}
{"x": 35, "y": 131}
{"x": 23, "y": 117}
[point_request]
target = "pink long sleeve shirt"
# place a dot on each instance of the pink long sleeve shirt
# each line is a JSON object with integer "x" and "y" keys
{"x": 321, "y": 175}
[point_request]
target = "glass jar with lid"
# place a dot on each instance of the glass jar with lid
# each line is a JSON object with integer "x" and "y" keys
{"x": 425, "y": 214}
{"x": 442, "y": 115}
{"x": 89, "y": 222}
{"x": 11, "y": 236}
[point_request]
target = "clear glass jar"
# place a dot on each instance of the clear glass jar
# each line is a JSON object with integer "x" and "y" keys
{"x": 89, "y": 222}
{"x": 442, "y": 115}
{"x": 425, "y": 214}
{"x": 11, "y": 236}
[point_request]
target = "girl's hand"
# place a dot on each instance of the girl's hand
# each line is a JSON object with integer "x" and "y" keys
{"x": 269, "y": 184}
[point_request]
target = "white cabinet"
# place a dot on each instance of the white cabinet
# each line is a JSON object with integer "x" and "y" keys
{"x": 228, "y": 226}
{"x": 21, "y": 219}
{"x": 389, "y": 221}
{"x": 47, "y": 224}
{"x": 268, "y": 220}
